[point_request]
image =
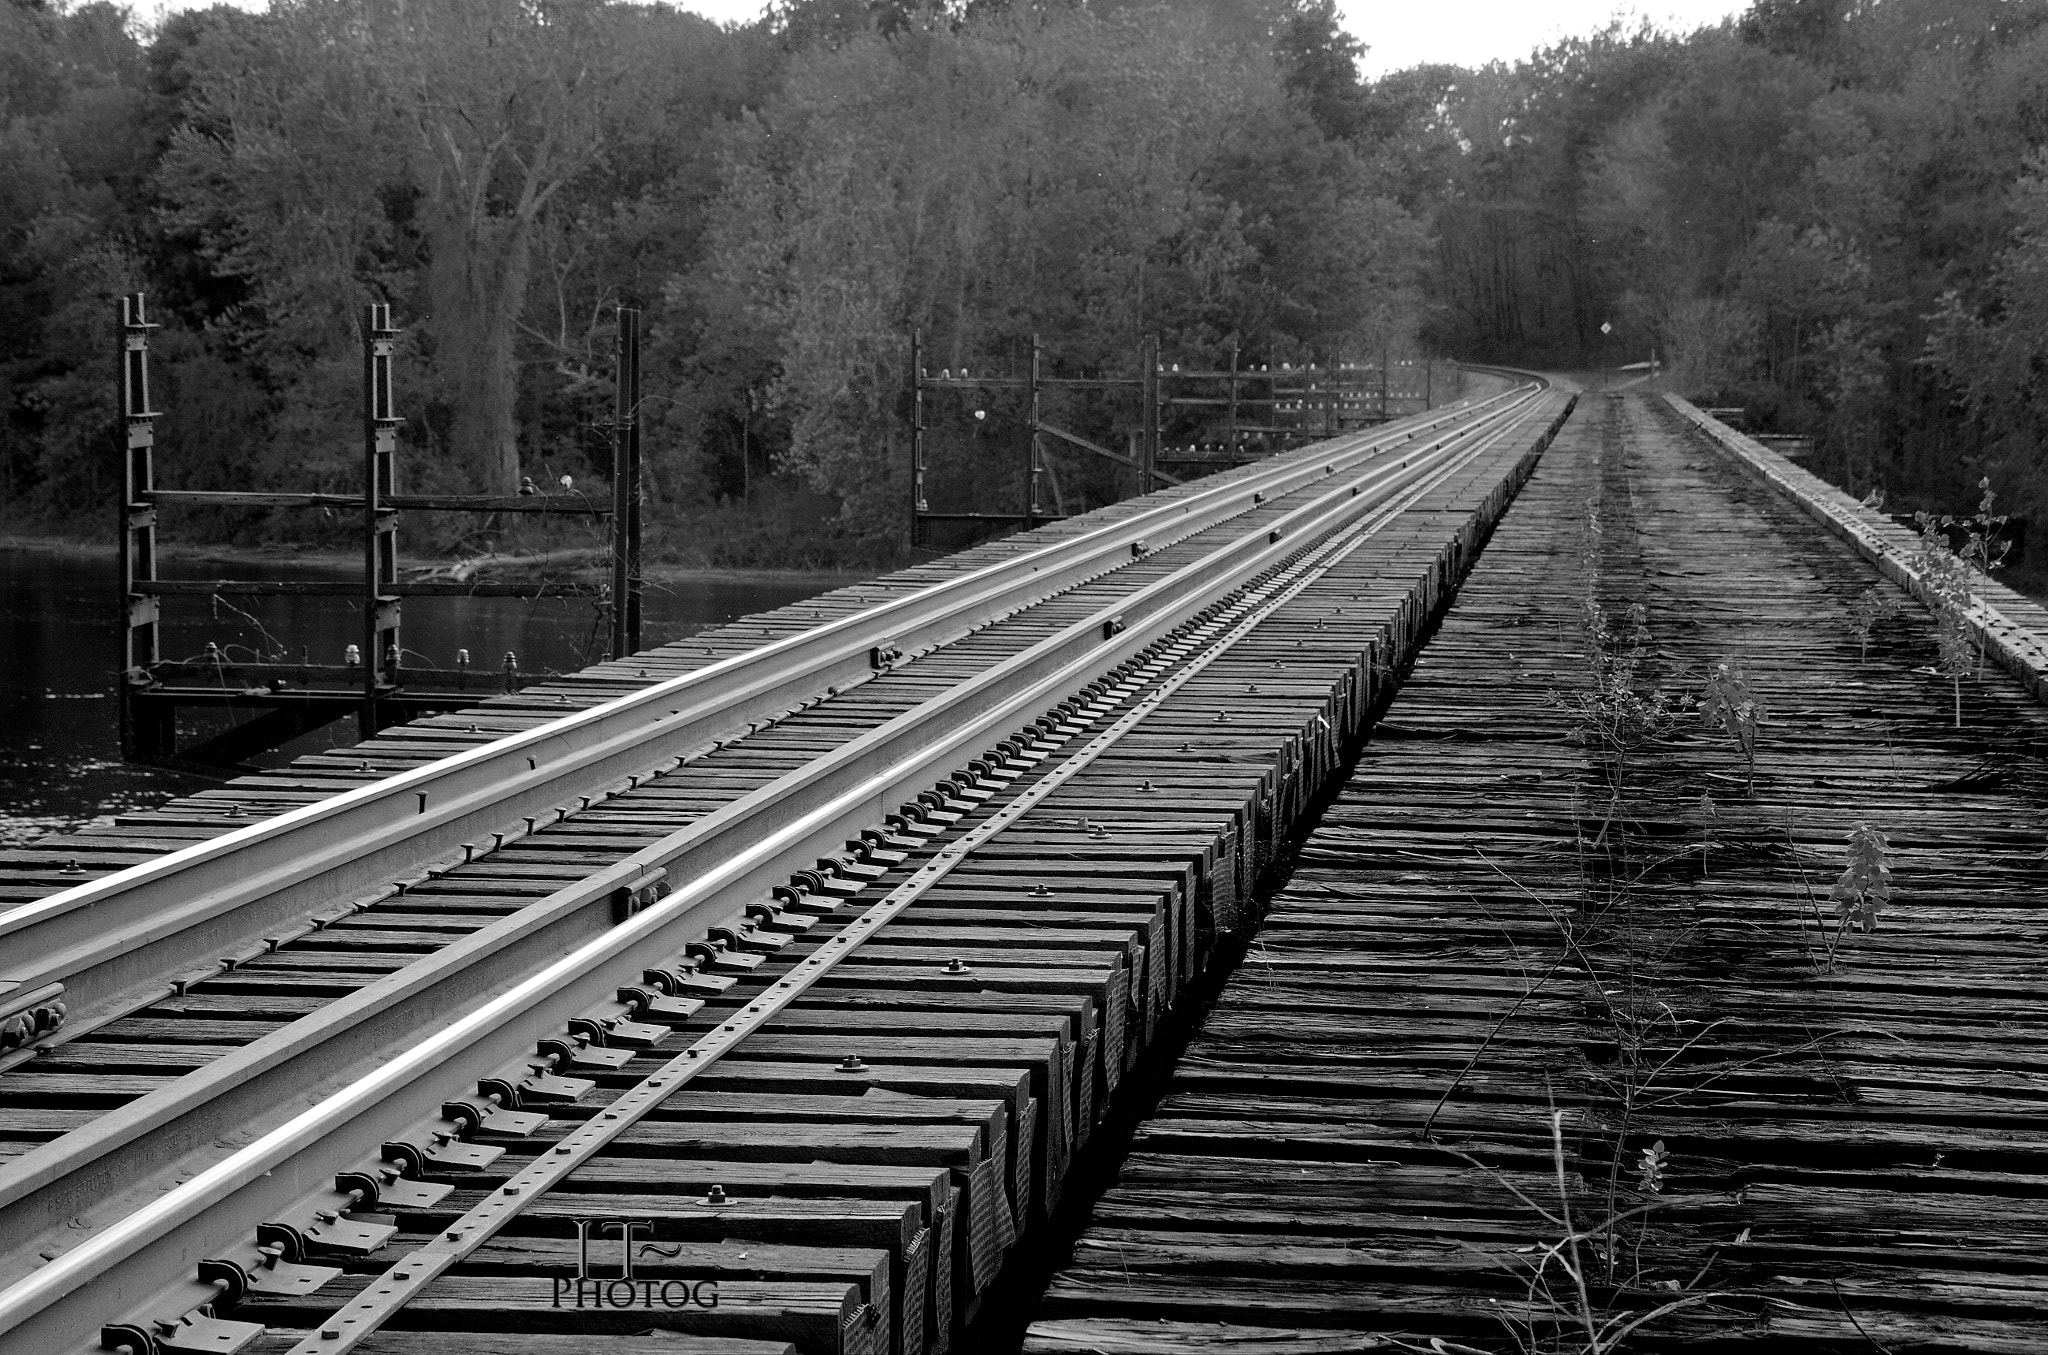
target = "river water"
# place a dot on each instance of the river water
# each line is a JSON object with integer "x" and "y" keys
{"x": 60, "y": 752}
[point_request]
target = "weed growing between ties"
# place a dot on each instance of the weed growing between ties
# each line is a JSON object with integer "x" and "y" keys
{"x": 1636, "y": 1237}
{"x": 1949, "y": 573}
{"x": 1859, "y": 897}
{"x": 1585, "y": 1291}
{"x": 1620, "y": 712}
{"x": 1872, "y": 608}
{"x": 1866, "y": 885}
{"x": 1728, "y": 704}
{"x": 1607, "y": 1261}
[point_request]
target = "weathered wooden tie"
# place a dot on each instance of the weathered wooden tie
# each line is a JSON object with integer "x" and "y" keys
{"x": 855, "y": 1176}
{"x": 1508, "y": 916}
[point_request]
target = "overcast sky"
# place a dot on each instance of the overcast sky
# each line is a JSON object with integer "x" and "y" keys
{"x": 1405, "y": 33}
{"x": 1400, "y": 33}
{"x": 1473, "y": 32}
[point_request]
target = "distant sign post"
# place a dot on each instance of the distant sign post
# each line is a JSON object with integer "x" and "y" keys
{"x": 1606, "y": 376}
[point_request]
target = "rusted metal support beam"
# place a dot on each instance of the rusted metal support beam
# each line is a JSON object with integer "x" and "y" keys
{"x": 626, "y": 488}
{"x": 383, "y": 647}
{"x": 140, "y": 616}
{"x": 274, "y": 588}
{"x": 1033, "y": 463}
{"x": 919, "y": 506}
{"x": 1148, "y": 447}
{"x": 223, "y": 678}
{"x": 443, "y": 503}
{"x": 1085, "y": 445}
{"x": 1233, "y": 397}
{"x": 372, "y": 675}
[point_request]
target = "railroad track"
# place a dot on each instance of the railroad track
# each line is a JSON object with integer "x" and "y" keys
{"x": 350, "y": 1026}
{"x": 1495, "y": 921}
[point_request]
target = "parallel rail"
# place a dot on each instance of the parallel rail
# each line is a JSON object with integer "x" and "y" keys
{"x": 114, "y": 939}
{"x": 1143, "y": 681}
{"x": 476, "y": 1009}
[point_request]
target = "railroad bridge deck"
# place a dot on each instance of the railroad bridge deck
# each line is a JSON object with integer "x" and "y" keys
{"x": 1505, "y": 917}
{"x": 823, "y": 947}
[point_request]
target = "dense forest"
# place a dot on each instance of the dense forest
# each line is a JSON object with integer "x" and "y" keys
{"x": 1831, "y": 212}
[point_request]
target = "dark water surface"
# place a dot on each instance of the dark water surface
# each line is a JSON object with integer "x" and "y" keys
{"x": 60, "y": 752}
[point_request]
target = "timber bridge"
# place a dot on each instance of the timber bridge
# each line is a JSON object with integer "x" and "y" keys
{"x": 1389, "y": 896}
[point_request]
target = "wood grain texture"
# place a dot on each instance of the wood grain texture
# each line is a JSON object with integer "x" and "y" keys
{"x": 1857, "y": 1158}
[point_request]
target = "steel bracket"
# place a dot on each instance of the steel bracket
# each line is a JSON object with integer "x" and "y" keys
{"x": 203, "y": 1334}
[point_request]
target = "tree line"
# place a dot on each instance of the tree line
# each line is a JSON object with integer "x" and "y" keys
{"x": 1833, "y": 212}
{"x": 787, "y": 200}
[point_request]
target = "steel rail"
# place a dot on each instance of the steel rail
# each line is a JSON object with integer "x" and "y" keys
{"x": 61, "y": 1180}
{"x": 1167, "y": 668}
{"x": 738, "y": 853}
{"x": 117, "y": 940}
{"x": 237, "y": 1088}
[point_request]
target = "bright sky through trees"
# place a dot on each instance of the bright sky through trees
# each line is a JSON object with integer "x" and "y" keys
{"x": 1400, "y": 33}
{"x": 1403, "y": 33}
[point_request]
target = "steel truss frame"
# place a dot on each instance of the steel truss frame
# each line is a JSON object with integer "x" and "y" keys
{"x": 373, "y": 683}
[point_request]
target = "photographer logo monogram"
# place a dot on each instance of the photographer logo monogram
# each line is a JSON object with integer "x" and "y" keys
{"x": 627, "y": 1290}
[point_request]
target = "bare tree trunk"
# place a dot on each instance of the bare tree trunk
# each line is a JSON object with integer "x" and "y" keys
{"x": 479, "y": 273}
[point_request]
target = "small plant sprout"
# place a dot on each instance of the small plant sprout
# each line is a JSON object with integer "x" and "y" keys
{"x": 1872, "y": 606}
{"x": 1650, "y": 1170}
{"x": 1573, "y": 1295}
{"x": 1731, "y": 706}
{"x": 1866, "y": 886}
{"x": 1946, "y": 578}
{"x": 1618, "y": 716}
{"x": 1984, "y": 545}
{"x": 1957, "y": 651}
{"x": 1709, "y": 811}
{"x": 1947, "y": 575}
